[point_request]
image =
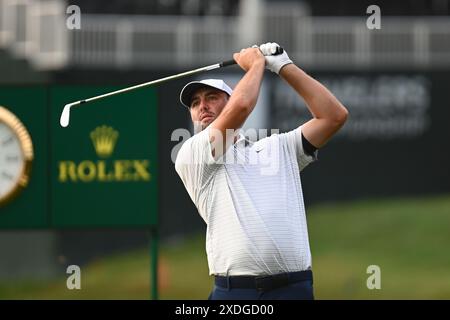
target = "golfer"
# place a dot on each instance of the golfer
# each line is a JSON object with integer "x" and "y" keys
{"x": 257, "y": 239}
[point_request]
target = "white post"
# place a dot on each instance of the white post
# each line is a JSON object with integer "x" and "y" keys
{"x": 250, "y": 23}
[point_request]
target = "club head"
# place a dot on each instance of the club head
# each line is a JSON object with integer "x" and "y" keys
{"x": 65, "y": 116}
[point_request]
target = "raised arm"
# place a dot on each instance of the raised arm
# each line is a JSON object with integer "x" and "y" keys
{"x": 241, "y": 102}
{"x": 329, "y": 115}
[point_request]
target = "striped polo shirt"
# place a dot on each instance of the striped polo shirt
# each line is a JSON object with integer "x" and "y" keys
{"x": 252, "y": 202}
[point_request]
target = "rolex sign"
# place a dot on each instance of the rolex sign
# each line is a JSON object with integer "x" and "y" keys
{"x": 104, "y": 169}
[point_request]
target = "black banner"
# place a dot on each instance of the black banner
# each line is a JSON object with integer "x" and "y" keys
{"x": 394, "y": 142}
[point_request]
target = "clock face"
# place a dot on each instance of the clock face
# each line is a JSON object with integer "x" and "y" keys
{"x": 11, "y": 160}
{"x": 16, "y": 156}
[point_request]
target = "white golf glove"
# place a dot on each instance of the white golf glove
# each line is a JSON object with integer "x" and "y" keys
{"x": 274, "y": 63}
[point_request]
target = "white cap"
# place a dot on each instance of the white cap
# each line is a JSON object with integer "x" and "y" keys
{"x": 191, "y": 87}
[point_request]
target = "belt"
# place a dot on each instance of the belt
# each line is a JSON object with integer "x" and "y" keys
{"x": 262, "y": 283}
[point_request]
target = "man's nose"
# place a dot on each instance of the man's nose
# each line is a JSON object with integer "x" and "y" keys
{"x": 203, "y": 105}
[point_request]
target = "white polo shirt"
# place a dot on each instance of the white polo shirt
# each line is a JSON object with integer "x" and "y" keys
{"x": 252, "y": 202}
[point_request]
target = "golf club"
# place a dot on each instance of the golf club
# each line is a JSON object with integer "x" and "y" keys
{"x": 65, "y": 116}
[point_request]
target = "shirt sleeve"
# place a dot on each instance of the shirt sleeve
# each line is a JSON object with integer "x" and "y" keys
{"x": 195, "y": 164}
{"x": 294, "y": 140}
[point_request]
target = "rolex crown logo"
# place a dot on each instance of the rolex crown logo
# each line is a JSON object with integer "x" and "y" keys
{"x": 104, "y": 140}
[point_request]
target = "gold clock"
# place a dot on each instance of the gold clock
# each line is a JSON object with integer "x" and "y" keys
{"x": 16, "y": 156}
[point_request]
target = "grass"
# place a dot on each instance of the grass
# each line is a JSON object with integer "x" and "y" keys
{"x": 407, "y": 238}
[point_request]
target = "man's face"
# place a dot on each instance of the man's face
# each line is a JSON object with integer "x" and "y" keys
{"x": 206, "y": 105}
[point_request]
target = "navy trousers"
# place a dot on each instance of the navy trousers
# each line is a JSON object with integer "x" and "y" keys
{"x": 231, "y": 288}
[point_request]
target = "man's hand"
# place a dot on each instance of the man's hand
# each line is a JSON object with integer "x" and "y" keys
{"x": 274, "y": 63}
{"x": 249, "y": 57}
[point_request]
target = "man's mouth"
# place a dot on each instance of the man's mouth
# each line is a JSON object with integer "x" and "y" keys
{"x": 205, "y": 116}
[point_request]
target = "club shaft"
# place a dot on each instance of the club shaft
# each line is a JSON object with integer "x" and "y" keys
{"x": 150, "y": 83}
{"x": 176, "y": 76}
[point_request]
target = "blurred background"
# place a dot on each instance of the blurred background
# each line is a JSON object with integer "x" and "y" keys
{"x": 379, "y": 194}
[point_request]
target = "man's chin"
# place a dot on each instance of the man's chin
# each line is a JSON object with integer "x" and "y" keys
{"x": 206, "y": 123}
{"x": 201, "y": 125}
